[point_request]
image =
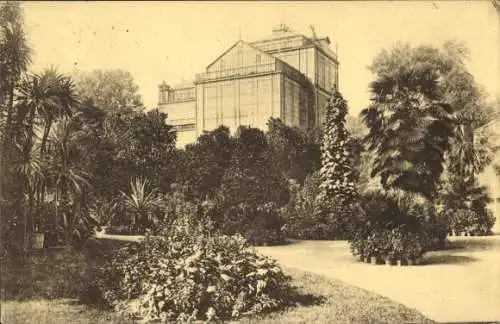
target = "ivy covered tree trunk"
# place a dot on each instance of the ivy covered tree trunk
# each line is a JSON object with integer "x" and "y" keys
{"x": 338, "y": 193}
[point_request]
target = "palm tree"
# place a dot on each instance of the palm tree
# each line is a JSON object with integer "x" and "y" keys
{"x": 66, "y": 172}
{"x": 48, "y": 96}
{"x": 141, "y": 200}
{"x": 29, "y": 166}
{"x": 42, "y": 99}
{"x": 473, "y": 145}
{"x": 409, "y": 132}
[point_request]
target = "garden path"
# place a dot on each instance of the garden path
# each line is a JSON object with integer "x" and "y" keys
{"x": 456, "y": 285}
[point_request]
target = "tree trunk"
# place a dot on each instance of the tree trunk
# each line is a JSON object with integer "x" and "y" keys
{"x": 45, "y": 136}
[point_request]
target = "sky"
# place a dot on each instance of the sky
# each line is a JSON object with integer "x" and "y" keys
{"x": 173, "y": 41}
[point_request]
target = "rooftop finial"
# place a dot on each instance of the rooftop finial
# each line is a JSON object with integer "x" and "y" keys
{"x": 281, "y": 28}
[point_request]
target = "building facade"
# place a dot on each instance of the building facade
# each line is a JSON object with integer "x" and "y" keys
{"x": 285, "y": 75}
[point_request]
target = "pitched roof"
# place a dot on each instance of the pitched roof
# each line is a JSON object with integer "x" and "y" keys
{"x": 233, "y": 46}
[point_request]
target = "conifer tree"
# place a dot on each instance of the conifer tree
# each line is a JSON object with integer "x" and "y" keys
{"x": 337, "y": 188}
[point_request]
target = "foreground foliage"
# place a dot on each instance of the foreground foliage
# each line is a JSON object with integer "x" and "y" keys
{"x": 187, "y": 273}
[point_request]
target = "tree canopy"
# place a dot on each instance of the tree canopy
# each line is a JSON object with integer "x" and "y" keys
{"x": 110, "y": 90}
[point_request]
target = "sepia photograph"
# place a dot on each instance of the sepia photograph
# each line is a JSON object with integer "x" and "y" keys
{"x": 252, "y": 162}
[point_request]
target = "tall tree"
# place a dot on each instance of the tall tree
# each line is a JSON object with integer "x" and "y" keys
{"x": 67, "y": 172}
{"x": 45, "y": 98}
{"x": 110, "y": 90}
{"x": 472, "y": 146}
{"x": 15, "y": 57}
{"x": 252, "y": 189}
{"x": 337, "y": 177}
{"x": 338, "y": 194}
{"x": 410, "y": 126}
{"x": 131, "y": 145}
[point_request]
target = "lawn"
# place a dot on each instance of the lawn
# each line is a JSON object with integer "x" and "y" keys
{"x": 319, "y": 300}
{"x": 55, "y": 311}
{"x": 333, "y": 301}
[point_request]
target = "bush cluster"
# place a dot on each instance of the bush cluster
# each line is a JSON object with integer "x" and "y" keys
{"x": 465, "y": 204}
{"x": 397, "y": 226}
{"x": 259, "y": 224}
{"x": 186, "y": 273}
{"x": 394, "y": 244}
{"x": 304, "y": 220}
{"x": 470, "y": 222}
{"x": 298, "y": 214}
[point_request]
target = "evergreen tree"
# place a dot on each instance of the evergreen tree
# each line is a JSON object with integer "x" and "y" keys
{"x": 337, "y": 188}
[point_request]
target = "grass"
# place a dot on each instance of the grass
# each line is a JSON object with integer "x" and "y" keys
{"x": 319, "y": 300}
{"x": 340, "y": 303}
{"x": 57, "y": 311}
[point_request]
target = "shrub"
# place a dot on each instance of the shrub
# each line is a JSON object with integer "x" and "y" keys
{"x": 104, "y": 210}
{"x": 298, "y": 215}
{"x": 394, "y": 244}
{"x": 173, "y": 206}
{"x": 465, "y": 203}
{"x": 141, "y": 203}
{"x": 398, "y": 225}
{"x": 302, "y": 219}
{"x": 260, "y": 225}
{"x": 187, "y": 273}
{"x": 471, "y": 222}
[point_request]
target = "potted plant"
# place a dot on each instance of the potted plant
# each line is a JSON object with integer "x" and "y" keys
{"x": 37, "y": 237}
{"x": 371, "y": 249}
{"x": 389, "y": 248}
{"x": 37, "y": 240}
{"x": 397, "y": 246}
{"x": 413, "y": 249}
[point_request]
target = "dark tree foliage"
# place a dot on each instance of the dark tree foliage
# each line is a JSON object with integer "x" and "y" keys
{"x": 201, "y": 166}
{"x": 135, "y": 144}
{"x": 297, "y": 153}
{"x": 252, "y": 190}
{"x": 15, "y": 57}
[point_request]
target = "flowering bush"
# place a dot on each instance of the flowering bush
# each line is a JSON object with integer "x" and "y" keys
{"x": 187, "y": 273}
